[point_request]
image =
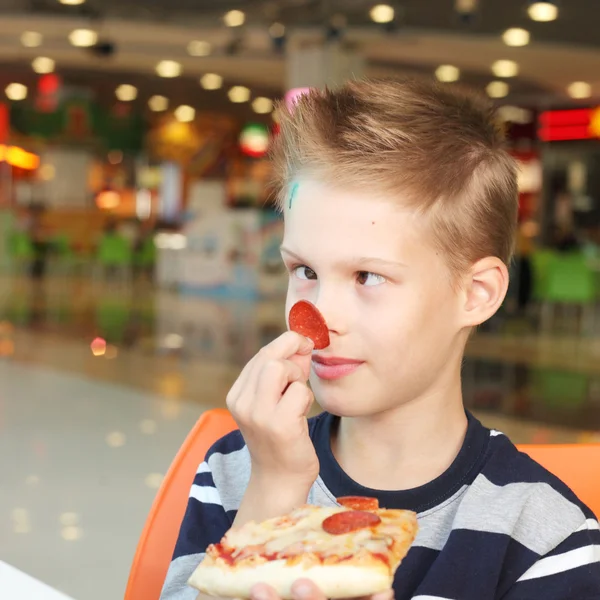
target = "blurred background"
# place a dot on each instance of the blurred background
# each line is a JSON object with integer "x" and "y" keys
{"x": 139, "y": 261}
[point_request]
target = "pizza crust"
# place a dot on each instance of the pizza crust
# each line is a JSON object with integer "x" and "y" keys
{"x": 335, "y": 581}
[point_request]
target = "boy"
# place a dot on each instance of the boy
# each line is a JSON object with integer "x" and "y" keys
{"x": 400, "y": 207}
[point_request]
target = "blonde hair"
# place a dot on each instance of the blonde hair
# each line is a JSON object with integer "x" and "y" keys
{"x": 436, "y": 148}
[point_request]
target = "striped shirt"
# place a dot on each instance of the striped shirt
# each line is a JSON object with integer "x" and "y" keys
{"x": 495, "y": 525}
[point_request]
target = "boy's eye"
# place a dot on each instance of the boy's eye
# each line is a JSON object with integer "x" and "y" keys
{"x": 304, "y": 272}
{"x": 369, "y": 279}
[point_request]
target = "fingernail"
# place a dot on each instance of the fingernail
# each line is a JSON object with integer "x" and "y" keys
{"x": 303, "y": 591}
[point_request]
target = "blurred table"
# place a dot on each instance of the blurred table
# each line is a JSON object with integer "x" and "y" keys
{"x": 16, "y": 585}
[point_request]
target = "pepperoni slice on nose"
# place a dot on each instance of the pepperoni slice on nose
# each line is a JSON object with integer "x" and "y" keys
{"x": 359, "y": 502}
{"x": 350, "y": 520}
{"x": 306, "y": 320}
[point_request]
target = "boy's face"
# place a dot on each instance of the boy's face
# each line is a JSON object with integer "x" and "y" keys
{"x": 386, "y": 294}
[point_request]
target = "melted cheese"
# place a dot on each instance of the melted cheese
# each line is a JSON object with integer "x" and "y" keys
{"x": 303, "y": 532}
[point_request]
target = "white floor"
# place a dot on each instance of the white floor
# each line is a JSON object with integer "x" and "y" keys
{"x": 80, "y": 462}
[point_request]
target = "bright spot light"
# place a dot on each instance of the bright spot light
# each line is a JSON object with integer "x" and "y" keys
{"x": 168, "y": 68}
{"x": 382, "y": 13}
{"x": 83, "y": 38}
{"x": 239, "y": 94}
{"x": 16, "y": 91}
{"x": 199, "y": 48}
{"x": 126, "y": 92}
{"x": 516, "y": 36}
{"x": 505, "y": 68}
{"x": 262, "y": 106}
{"x": 543, "y": 11}
{"x": 497, "y": 89}
{"x": 234, "y": 18}
{"x": 211, "y": 81}
{"x": 447, "y": 73}
{"x": 98, "y": 346}
{"x": 43, "y": 65}
{"x": 580, "y": 90}
{"x": 31, "y": 39}
{"x": 158, "y": 103}
{"x": 185, "y": 114}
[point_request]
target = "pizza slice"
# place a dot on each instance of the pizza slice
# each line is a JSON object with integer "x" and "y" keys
{"x": 348, "y": 551}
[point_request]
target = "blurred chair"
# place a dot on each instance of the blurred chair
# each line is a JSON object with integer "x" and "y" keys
{"x": 573, "y": 463}
{"x": 577, "y": 465}
{"x": 145, "y": 257}
{"x": 570, "y": 282}
{"x": 21, "y": 251}
{"x": 157, "y": 542}
{"x": 62, "y": 257}
{"x": 540, "y": 262}
{"x": 560, "y": 389}
{"x": 114, "y": 256}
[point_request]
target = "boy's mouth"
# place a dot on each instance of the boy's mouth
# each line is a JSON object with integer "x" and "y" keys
{"x": 334, "y": 367}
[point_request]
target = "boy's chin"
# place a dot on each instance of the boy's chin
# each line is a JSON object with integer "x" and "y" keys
{"x": 344, "y": 406}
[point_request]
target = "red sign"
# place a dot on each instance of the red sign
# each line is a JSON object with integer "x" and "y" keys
{"x": 4, "y": 123}
{"x": 575, "y": 124}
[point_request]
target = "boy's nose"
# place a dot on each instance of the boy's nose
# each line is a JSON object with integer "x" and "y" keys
{"x": 330, "y": 306}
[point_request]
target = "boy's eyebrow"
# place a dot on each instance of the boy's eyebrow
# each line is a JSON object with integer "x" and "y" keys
{"x": 354, "y": 261}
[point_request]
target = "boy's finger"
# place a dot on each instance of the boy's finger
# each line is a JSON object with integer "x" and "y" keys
{"x": 305, "y": 589}
{"x": 261, "y": 591}
{"x": 288, "y": 344}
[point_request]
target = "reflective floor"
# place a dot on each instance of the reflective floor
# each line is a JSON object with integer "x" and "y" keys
{"x": 99, "y": 385}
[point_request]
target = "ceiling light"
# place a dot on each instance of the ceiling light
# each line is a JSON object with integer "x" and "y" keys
{"x": 262, "y": 106}
{"x": 505, "y": 68}
{"x": 382, "y": 13}
{"x": 580, "y": 90}
{"x": 543, "y": 10}
{"x": 277, "y": 30}
{"x": 515, "y": 36}
{"x": 126, "y": 92}
{"x": 71, "y": 2}
{"x": 239, "y": 94}
{"x": 199, "y": 48}
{"x": 211, "y": 81}
{"x": 497, "y": 89}
{"x": 16, "y": 91}
{"x": 31, "y": 39}
{"x": 43, "y": 65}
{"x": 158, "y": 103}
{"x": 168, "y": 68}
{"x": 185, "y": 114}
{"x": 234, "y": 18}
{"x": 447, "y": 73}
{"x": 83, "y": 38}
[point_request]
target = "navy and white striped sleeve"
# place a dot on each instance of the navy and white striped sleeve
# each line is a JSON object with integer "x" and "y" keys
{"x": 569, "y": 571}
{"x": 205, "y": 522}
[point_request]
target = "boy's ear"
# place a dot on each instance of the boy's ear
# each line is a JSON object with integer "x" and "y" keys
{"x": 485, "y": 289}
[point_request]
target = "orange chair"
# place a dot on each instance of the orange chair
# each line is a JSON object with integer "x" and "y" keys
{"x": 575, "y": 464}
{"x": 157, "y": 542}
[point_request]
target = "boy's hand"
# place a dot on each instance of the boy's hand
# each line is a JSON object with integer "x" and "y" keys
{"x": 304, "y": 589}
{"x": 270, "y": 402}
